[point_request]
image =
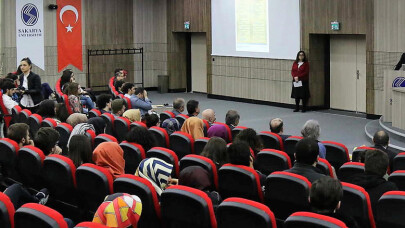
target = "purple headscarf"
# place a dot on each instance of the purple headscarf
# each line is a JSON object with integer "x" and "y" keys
{"x": 218, "y": 131}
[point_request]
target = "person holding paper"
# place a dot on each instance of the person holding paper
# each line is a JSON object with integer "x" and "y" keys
{"x": 300, "y": 85}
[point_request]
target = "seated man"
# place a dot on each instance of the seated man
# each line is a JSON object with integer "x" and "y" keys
{"x": 104, "y": 103}
{"x": 178, "y": 106}
{"x": 119, "y": 74}
{"x": 8, "y": 88}
{"x": 128, "y": 89}
{"x": 209, "y": 115}
{"x": 46, "y": 140}
{"x": 277, "y": 126}
{"x": 140, "y": 100}
{"x": 118, "y": 107}
{"x": 118, "y": 86}
{"x": 306, "y": 157}
{"x": 381, "y": 140}
{"x": 19, "y": 132}
{"x": 375, "y": 168}
{"x": 325, "y": 197}
{"x": 193, "y": 108}
{"x": 232, "y": 119}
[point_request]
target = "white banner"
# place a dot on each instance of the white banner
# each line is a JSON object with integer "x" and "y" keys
{"x": 30, "y": 31}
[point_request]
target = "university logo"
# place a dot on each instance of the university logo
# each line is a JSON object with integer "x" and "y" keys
{"x": 29, "y": 14}
{"x": 399, "y": 82}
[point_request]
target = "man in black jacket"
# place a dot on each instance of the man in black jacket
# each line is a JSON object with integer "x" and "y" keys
{"x": 381, "y": 140}
{"x": 306, "y": 158}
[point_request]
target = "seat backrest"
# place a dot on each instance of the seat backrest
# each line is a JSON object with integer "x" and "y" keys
{"x": 6, "y": 211}
{"x": 109, "y": 121}
{"x": 237, "y": 130}
{"x": 7, "y": 115}
{"x": 358, "y": 150}
{"x": 325, "y": 167}
{"x": 127, "y": 102}
{"x": 399, "y": 162}
{"x": 91, "y": 134}
{"x": 90, "y": 225}
{"x": 239, "y": 212}
{"x": 336, "y": 153}
{"x": 239, "y": 181}
{"x": 9, "y": 151}
{"x": 29, "y": 165}
{"x": 398, "y": 177}
{"x": 161, "y": 136}
{"x": 166, "y": 115}
{"x": 15, "y": 113}
{"x": 207, "y": 126}
{"x": 289, "y": 146}
{"x": 48, "y": 122}
{"x": 181, "y": 118}
{"x": 287, "y": 193}
{"x": 59, "y": 174}
{"x": 94, "y": 113}
{"x": 199, "y": 144}
{"x": 391, "y": 209}
{"x": 181, "y": 143}
{"x": 93, "y": 184}
{"x": 166, "y": 155}
{"x": 142, "y": 188}
{"x": 64, "y": 130}
{"x": 104, "y": 138}
{"x": 349, "y": 169}
{"x": 58, "y": 90}
{"x": 313, "y": 220}
{"x": 111, "y": 86}
{"x": 69, "y": 108}
{"x": 34, "y": 121}
{"x": 37, "y": 215}
{"x": 228, "y": 129}
{"x": 271, "y": 140}
{"x": 203, "y": 162}
{"x": 356, "y": 203}
{"x": 23, "y": 116}
{"x": 270, "y": 160}
{"x": 187, "y": 207}
{"x": 138, "y": 124}
{"x": 121, "y": 128}
{"x": 133, "y": 155}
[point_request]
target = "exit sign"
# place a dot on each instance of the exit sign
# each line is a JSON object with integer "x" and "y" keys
{"x": 335, "y": 26}
{"x": 187, "y": 25}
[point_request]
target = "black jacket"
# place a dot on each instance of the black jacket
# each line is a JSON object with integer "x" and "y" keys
{"x": 308, "y": 171}
{"x": 34, "y": 87}
{"x": 391, "y": 154}
{"x": 349, "y": 221}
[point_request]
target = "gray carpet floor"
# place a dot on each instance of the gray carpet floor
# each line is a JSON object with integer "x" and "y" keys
{"x": 345, "y": 129}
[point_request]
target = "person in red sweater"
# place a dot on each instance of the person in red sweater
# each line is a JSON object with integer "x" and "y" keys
{"x": 300, "y": 74}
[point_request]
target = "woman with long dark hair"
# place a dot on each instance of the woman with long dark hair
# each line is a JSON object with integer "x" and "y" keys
{"x": 300, "y": 85}
{"x": 80, "y": 151}
{"x": 30, "y": 86}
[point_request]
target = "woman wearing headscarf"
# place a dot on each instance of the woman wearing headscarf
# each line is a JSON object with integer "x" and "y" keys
{"x": 218, "y": 131}
{"x": 170, "y": 125}
{"x": 193, "y": 126}
{"x": 76, "y": 118}
{"x": 110, "y": 155}
{"x": 98, "y": 124}
{"x": 119, "y": 210}
{"x": 132, "y": 115}
{"x": 157, "y": 172}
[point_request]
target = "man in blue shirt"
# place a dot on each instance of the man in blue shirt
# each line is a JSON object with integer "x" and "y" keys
{"x": 141, "y": 101}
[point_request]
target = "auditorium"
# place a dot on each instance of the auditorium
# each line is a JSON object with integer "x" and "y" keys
{"x": 202, "y": 113}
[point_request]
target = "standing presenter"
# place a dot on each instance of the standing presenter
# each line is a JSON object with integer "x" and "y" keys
{"x": 300, "y": 85}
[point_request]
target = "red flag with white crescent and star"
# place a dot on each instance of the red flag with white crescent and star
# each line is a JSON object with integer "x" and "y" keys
{"x": 69, "y": 29}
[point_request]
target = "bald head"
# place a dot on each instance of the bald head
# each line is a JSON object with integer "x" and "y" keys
{"x": 209, "y": 115}
{"x": 276, "y": 126}
{"x": 381, "y": 138}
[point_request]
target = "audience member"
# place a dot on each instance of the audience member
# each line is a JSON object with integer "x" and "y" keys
{"x": 372, "y": 180}
{"x": 80, "y": 129}
{"x": 157, "y": 172}
{"x": 306, "y": 158}
{"x": 216, "y": 151}
{"x": 118, "y": 86}
{"x": 104, "y": 103}
{"x": 218, "y": 131}
{"x": 47, "y": 140}
{"x": 61, "y": 112}
{"x": 98, "y": 124}
{"x": 141, "y": 136}
{"x": 170, "y": 125}
{"x": 128, "y": 89}
{"x": 193, "y": 108}
{"x": 277, "y": 127}
{"x": 119, "y": 74}
{"x": 141, "y": 101}
{"x": 209, "y": 115}
{"x": 66, "y": 78}
{"x": 110, "y": 155}
{"x": 311, "y": 129}
{"x": 232, "y": 119}
{"x": 325, "y": 198}
{"x": 193, "y": 126}
{"x": 250, "y": 136}
{"x": 8, "y": 88}
{"x": 239, "y": 154}
{"x": 19, "y": 132}
{"x": 118, "y": 107}
{"x": 80, "y": 151}
{"x": 178, "y": 106}
{"x": 47, "y": 109}
{"x": 76, "y": 118}
{"x": 381, "y": 140}
{"x": 19, "y": 195}
{"x": 74, "y": 101}
{"x": 152, "y": 120}
{"x": 16, "y": 81}
{"x": 132, "y": 115}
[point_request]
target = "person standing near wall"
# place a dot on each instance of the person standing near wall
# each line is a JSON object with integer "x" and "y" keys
{"x": 300, "y": 85}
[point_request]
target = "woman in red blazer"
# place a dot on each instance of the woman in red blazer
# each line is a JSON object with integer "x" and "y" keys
{"x": 300, "y": 72}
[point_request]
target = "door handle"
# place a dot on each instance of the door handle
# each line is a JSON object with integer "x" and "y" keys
{"x": 358, "y": 74}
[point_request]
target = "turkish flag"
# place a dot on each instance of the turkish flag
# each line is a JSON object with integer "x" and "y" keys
{"x": 69, "y": 28}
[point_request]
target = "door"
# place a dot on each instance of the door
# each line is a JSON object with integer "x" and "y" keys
{"x": 199, "y": 62}
{"x": 348, "y": 72}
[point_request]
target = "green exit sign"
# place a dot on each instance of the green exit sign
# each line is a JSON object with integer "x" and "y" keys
{"x": 335, "y": 26}
{"x": 187, "y": 25}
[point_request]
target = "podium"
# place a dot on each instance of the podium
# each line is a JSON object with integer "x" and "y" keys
{"x": 394, "y": 98}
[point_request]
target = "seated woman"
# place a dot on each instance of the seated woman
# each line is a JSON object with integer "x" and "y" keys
{"x": 193, "y": 126}
{"x": 47, "y": 109}
{"x": 151, "y": 120}
{"x": 141, "y": 136}
{"x": 132, "y": 115}
{"x": 61, "y": 112}
{"x": 311, "y": 129}
{"x": 73, "y": 93}
{"x": 110, "y": 156}
{"x": 216, "y": 151}
{"x": 250, "y": 137}
{"x": 80, "y": 151}
{"x": 170, "y": 125}
{"x": 98, "y": 124}
{"x": 76, "y": 118}
{"x": 67, "y": 77}
{"x": 218, "y": 131}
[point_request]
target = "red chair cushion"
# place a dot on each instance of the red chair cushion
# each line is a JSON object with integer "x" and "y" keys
{"x": 69, "y": 162}
{"x": 108, "y": 175}
{"x": 56, "y": 216}
{"x": 9, "y": 206}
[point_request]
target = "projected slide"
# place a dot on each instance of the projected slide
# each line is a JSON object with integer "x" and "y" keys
{"x": 252, "y": 33}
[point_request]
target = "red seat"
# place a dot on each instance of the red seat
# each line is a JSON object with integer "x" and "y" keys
{"x": 270, "y": 160}
{"x": 109, "y": 121}
{"x": 239, "y": 212}
{"x": 133, "y": 155}
{"x": 34, "y": 121}
{"x": 391, "y": 209}
{"x": 356, "y": 203}
{"x": 48, "y": 122}
{"x": 206, "y": 127}
{"x": 187, "y": 207}
{"x": 166, "y": 115}
{"x": 203, "y": 162}
{"x": 121, "y": 128}
{"x": 228, "y": 129}
{"x": 94, "y": 113}
{"x": 138, "y": 124}
{"x": 146, "y": 192}
{"x": 58, "y": 91}
{"x": 181, "y": 143}
{"x": 181, "y": 118}
{"x": 398, "y": 177}
{"x": 15, "y": 114}
{"x": 69, "y": 108}
{"x": 111, "y": 86}
{"x": 166, "y": 155}
{"x": 92, "y": 136}
{"x": 104, "y": 138}
{"x": 239, "y": 181}
{"x": 23, "y": 116}
{"x": 161, "y": 136}
{"x": 127, "y": 101}
{"x": 272, "y": 140}
{"x": 399, "y": 162}
{"x": 325, "y": 167}
{"x": 93, "y": 184}
{"x": 29, "y": 166}
{"x": 9, "y": 150}
{"x": 237, "y": 130}
{"x": 349, "y": 169}
{"x": 199, "y": 144}
{"x": 37, "y": 215}
{"x": 6, "y": 211}
{"x": 336, "y": 153}
{"x": 355, "y": 153}
{"x": 287, "y": 193}
{"x": 6, "y": 114}
{"x": 90, "y": 225}
{"x": 64, "y": 130}
{"x": 313, "y": 220}
{"x": 289, "y": 146}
